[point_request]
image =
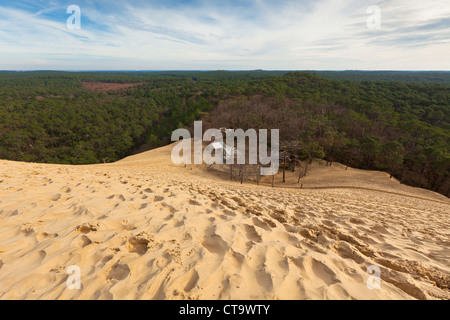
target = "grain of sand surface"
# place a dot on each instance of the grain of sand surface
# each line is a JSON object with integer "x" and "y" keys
{"x": 143, "y": 228}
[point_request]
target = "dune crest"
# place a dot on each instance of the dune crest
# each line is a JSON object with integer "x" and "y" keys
{"x": 143, "y": 228}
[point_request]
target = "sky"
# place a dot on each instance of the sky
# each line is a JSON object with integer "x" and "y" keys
{"x": 225, "y": 35}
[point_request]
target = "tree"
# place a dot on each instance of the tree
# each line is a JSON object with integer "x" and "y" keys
{"x": 393, "y": 153}
{"x": 370, "y": 147}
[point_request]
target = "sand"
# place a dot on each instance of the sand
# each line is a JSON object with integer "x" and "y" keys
{"x": 143, "y": 228}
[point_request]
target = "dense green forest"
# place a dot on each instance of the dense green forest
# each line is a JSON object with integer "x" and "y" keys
{"x": 396, "y": 122}
{"x": 442, "y": 77}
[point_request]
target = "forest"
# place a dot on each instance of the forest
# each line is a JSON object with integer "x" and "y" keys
{"x": 390, "y": 121}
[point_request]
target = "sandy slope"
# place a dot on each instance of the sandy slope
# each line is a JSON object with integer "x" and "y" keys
{"x": 142, "y": 228}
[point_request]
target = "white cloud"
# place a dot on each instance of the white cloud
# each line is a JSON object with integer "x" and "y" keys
{"x": 324, "y": 34}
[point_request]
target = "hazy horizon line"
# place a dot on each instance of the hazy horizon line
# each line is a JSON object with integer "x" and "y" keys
{"x": 220, "y": 70}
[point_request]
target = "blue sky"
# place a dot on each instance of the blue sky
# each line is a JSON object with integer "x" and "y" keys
{"x": 227, "y": 34}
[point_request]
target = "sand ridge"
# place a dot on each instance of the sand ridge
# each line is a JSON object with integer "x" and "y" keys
{"x": 143, "y": 228}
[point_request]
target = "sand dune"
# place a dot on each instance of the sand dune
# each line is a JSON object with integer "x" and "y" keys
{"x": 143, "y": 228}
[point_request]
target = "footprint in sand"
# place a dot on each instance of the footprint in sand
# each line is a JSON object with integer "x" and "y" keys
{"x": 194, "y": 203}
{"x": 66, "y": 190}
{"x": 254, "y": 210}
{"x": 261, "y": 224}
{"x": 315, "y": 270}
{"x": 252, "y": 234}
{"x": 143, "y": 206}
{"x": 270, "y": 223}
{"x": 56, "y": 197}
{"x": 346, "y": 251}
{"x": 289, "y": 228}
{"x": 229, "y": 213}
{"x": 157, "y": 199}
{"x": 235, "y": 259}
{"x": 85, "y": 228}
{"x": 239, "y": 201}
{"x": 14, "y": 213}
{"x": 258, "y": 262}
{"x": 26, "y": 230}
{"x": 81, "y": 211}
{"x": 116, "y": 196}
{"x": 105, "y": 260}
{"x": 83, "y": 241}
{"x": 172, "y": 209}
{"x": 36, "y": 257}
{"x": 161, "y": 262}
{"x": 191, "y": 278}
{"x": 216, "y": 245}
{"x": 279, "y": 215}
{"x": 139, "y": 244}
{"x": 118, "y": 272}
{"x": 329, "y": 223}
{"x": 42, "y": 254}
{"x": 45, "y": 235}
{"x": 356, "y": 221}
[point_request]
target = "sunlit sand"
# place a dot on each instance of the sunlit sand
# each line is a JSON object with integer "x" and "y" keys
{"x": 143, "y": 228}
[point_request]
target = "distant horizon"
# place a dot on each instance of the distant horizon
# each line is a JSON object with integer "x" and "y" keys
{"x": 218, "y": 70}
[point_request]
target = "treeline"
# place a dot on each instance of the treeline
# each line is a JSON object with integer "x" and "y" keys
{"x": 51, "y": 118}
{"x": 437, "y": 77}
{"x": 395, "y": 127}
{"x": 400, "y": 127}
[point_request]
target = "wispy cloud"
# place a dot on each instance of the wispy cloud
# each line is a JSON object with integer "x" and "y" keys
{"x": 230, "y": 34}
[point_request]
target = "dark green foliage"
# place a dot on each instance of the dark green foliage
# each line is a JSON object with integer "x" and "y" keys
{"x": 413, "y": 76}
{"x": 49, "y": 117}
{"x": 401, "y": 127}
